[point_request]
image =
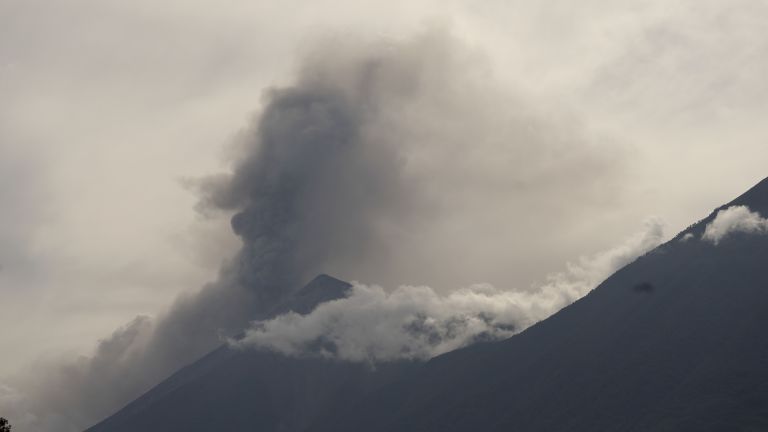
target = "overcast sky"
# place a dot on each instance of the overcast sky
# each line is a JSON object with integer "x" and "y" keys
{"x": 108, "y": 108}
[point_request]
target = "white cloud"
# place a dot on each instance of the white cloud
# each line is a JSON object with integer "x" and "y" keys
{"x": 734, "y": 219}
{"x": 418, "y": 322}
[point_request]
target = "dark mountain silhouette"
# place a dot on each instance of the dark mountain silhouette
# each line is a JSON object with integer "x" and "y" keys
{"x": 676, "y": 341}
{"x": 247, "y": 390}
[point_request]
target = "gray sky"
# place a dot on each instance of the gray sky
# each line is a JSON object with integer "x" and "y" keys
{"x": 635, "y": 109}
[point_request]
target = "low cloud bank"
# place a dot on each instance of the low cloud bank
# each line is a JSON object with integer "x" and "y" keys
{"x": 734, "y": 219}
{"x": 417, "y": 322}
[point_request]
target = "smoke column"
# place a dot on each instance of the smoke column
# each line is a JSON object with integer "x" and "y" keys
{"x": 356, "y": 158}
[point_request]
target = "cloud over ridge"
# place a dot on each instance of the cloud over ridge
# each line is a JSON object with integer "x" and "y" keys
{"x": 734, "y": 219}
{"x": 417, "y": 322}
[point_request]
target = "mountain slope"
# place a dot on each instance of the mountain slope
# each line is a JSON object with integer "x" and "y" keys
{"x": 234, "y": 390}
{"x": 676, "y": 341}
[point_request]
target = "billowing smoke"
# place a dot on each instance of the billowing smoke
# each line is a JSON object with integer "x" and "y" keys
{"x": 66, "y": 395}
{"x": 734, "y": 219}
{"x": 346, "y": 169}
{"x": 416, "y": 322}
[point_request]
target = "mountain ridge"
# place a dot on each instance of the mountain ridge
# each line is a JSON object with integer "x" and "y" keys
{"x": 268, "y": 391}
{"x": 673, "y": 341}
{"x": 528, "y": 381}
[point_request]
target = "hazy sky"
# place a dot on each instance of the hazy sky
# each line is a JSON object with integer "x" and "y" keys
{"x": 109, "y": 108}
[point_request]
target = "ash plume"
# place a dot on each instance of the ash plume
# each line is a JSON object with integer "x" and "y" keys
{"x": 343, "y": 172}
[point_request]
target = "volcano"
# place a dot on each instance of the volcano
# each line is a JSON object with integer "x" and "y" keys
{"x": 675, "y": 341}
